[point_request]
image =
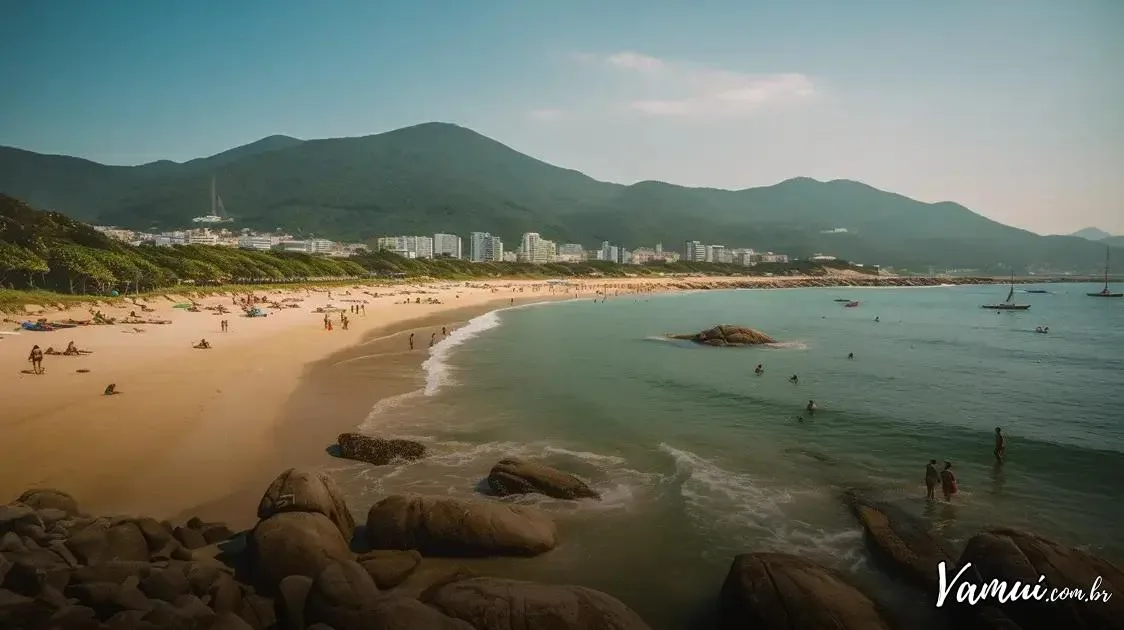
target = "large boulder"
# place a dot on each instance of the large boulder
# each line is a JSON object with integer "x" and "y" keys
{"x": 307, "y": 491}
{"x": 903, "y": 543}
{"x": 1011, "y": 556}
{"x": 378, "y": 451}
{"x": 105, "y": 540}
{"x": 785, "y": 592}
{"x": 48, "y": 498}
{"x": 389, "y": 567}
{"x": 295, "y": 543}
{"x": 517, "y": 476}
{"x": 499, "y": 604}
{"x": 728, "y": 336}
{"x": 444, "y": 526}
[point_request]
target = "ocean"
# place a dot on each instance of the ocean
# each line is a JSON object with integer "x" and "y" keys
{"x": 699, "y": 459}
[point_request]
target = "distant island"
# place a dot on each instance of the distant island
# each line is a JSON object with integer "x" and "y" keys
{"x": 438, "y": 177}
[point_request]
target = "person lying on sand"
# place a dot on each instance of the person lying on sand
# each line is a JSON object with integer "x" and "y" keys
{"x": 51, "y": 351}
{"x": 202, "y": 345}
{"x": 72, "y": 350}
{"x": 111, "y": 389}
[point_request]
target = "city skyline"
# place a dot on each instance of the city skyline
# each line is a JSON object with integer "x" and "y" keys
{"x": 1006, "y": 107}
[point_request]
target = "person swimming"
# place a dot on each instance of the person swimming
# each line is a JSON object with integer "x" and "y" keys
{"x": 851, "y": 355}
{"x": 759, "y": 370}
{"x": 877, "y": 319}
{"x": 811, "y": 407}
{"x": 794, "y": 379}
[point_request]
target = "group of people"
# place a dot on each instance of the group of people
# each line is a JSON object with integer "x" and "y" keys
{"x": 947, "y": 479}
{"x": 432, "y": 337}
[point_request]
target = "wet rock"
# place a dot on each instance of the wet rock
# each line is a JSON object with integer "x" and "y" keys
{"x": 378, "y": 451}
{"x": 517, "y": 476}
{"x": 428, "y": 577}
{"x": 516, "y": 605}
{"x": 903, "y": 543}
{"x": 403, "y": 613}
{"x": 389, "y": 567}
{"x": 11, "y": 541}
{"x": 775, "y": 590}
{"x": 456, "y": 527}
{"x": 295, "y": 543}
{"x": 728, "y": 335}
{"x": 340, "y": 591}
{"x": 1011, "y": 556}
{"x": 292, "y": 595}
{"x": 308, "y": 491}
{"x": 48, "y": 498}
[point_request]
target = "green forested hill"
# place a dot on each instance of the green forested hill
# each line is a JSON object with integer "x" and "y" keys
{"x": 438, "y": 177}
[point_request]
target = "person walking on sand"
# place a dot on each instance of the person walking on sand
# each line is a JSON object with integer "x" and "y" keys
{"x": 36, "y": 358}
{"x": 948, "y": 482}
{"x": 1000, "y": 446}
{"x": 931, "y": 479}
{"x": 411, "y": 341}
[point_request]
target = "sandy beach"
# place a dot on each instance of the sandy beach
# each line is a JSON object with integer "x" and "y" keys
{"x": 198, "y": 429}
{"x": 191, "y": 427}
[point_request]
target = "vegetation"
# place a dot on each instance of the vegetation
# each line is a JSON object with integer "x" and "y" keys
{"x": 53, "y": 254}
{"x": 442, "y": 178}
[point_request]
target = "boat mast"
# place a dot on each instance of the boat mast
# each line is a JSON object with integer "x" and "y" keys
{"x": 1107, "y": 249}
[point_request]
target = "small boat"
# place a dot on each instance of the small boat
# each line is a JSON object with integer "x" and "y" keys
{"x": 1009, "y": 303}
{"x": 1037, "y": 291}
{"x": 844, "y": 300}
{"x": 1105, "y": 292}
{"x": 851, "y": 304}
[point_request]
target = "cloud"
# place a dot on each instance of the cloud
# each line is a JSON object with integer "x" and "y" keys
{"x": 672, "y": 89}
{"x": 545, "y": 114}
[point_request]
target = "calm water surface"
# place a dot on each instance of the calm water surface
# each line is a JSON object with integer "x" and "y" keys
{"x": 699, "y": 459}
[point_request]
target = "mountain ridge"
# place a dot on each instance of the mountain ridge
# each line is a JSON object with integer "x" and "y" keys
{"x": 441, "y": 177}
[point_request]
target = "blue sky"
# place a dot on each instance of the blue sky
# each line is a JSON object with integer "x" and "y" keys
{"x": 1014, "y": 108}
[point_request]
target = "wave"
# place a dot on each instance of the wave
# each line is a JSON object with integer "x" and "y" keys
{"x": 788, "y": 345}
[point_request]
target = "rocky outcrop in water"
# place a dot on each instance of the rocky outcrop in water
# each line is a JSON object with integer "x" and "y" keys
{"x": 378, "y": 451}
{"x": 728, "y": 335}
{"x": 517, "y": 476}
{"x": 441, "y": 526}
{"x": 1013, "y": 556}
{"x": 777, "y": 591}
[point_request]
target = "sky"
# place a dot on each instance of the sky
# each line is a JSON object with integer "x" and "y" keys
{"x": 1014, "y": 108}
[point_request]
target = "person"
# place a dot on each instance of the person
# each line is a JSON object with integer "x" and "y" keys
{"x": 931, "y": 478}
{"x": 411, "y": 341}
{"x": 1000, "y": 445}
{"x": 948, "y": 482}
{"x": 111, "y": 389}
{"x": 759, "y": 370}
{"x": 36, "y": 358}
{"x": 71, "y": 349}
{"x": 811, "y": 408}
{"x": 851, "y": 356}
{"x": 794, "y": 379}
{"x": 203, "y": 345}
{"x": 877, "y": 319}
{"x": 432, "y": 339}
{"x": 444, "y": 333}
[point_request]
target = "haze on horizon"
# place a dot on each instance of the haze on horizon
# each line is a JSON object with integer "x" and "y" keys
{"x": 1010, "y": 107}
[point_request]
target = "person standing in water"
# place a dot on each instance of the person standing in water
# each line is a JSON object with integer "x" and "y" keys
{"x": 1000, "y": 445}
{"x": 411, "y": 341}
{"x": 948, "y": 482}
{"x": 811, "y": 408}
{"x": 851, "y": 356}
{"x": 931, "y": 479}
{"x": 759, "y": 370}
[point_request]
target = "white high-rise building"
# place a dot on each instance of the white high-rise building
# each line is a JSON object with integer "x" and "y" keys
{"x": 537, "y": 249}
{"x": 493, "y": 252}
{"x": 447, "y": 246}
{"x": 478, "y": 246}
{"x": 407, "y": 246}
{"x": 694, "y": 251}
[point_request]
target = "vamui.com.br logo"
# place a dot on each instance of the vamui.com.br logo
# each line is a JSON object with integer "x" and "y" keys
{"x": 1000, "y": 591}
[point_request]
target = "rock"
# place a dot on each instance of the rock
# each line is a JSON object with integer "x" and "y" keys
{"x": 128, "y": 620}
{"x": 47, "y": 498}
{"x": 378, "y": 451}
{"x": 342, "y": 590}
{"x": 455, "y": 527}
{"x": 5, "y": 566}
{"x": 903, "y": 543}
{"x": 389, "y": 567}
{"x": 517, "y": 605}
{"x": 29, "y": 572}
{"x": 202, "y": 576}
{"x": 74, "y": 618}
{"x": 190, "y": 538}
{"x": 10, "y": 541}
{"x": 97, "y": 595}
{"x": 156, "y": 534}
{"x": 50, "y": 516}
{"x": 776, "y": 590}
{"x": 308, "y": 491}
{"x": 295, "y": 543}
{"x": 230, "y": 621}
{"x": 516, "y": 476}
{"x": 102, "y": 541}
{"x": 17, "y": 518}
{"x": 292, "y": 595}
{"x": 114, "y": 571}
{"x": 166, "y": 584}
{"x": 258, "y": 612}
{"x": 427, "y": 578}
{"x": 403, "y": 613}
{"x": 21, "y": 611}
{"x": 129, "y": 596}
{"x": 192, "y": 609}
{"x": 728, "y": 336}
{"x": 225, "y": 595}
{"x": 1012, "y": 556}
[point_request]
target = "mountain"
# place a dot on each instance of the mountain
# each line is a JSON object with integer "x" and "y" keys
{"x": 1091, "y": 234}
{"x": 438, "y": 177}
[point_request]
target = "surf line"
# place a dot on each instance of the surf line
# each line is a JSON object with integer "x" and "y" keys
{"x": 972, "y": 594}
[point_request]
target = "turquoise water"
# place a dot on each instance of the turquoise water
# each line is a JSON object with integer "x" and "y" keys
{"x": 699, "y": 459}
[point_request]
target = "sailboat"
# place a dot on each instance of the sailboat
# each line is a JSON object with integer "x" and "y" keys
{"x": 216, "y": 209}
{"x": 1105, "y": 292}
{"x": 1009, "y": 303}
